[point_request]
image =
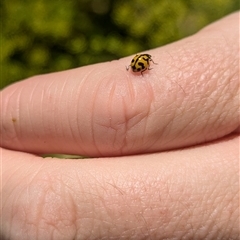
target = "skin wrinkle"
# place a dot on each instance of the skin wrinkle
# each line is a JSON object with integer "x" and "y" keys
{"x": 112, "y": 101}
{"x": 62, "y": 219}
{"x": 4, "y": 111}
{"x": 11, "y": 211}
{"x": 131, "y": 91}
{"x": 118, "y": 191}
{"x": 110, "y": 109}
{"x": 212, "y": 228}
{"x": 164, "y": 131}
{"x": 189, "y": 229}
{"x": 148, "y": 115}
{"x": 52, "y": 115}
{"x": 30, "y": 107}
{"x": 182, "y": 132}
{"x": 126, "y": 129}
{"x": 42, "y": 107}
{"x": 76, "y": 129}
{"x": 14, "y": 128}
{"x": 131, "y": 108}
{"x": 28, "y": 202}
{"x": 20, "y": 212}
{"x": 185, "y": 55}
{"x": 52, "y": 191}
{"x": 113, "y": 124}
{"x": 71, "y": 126}
{"x": 228, "y": 42}
{"x": 63, "y": 103}
{"x": 108, "y": 212}
{"x": 194, "y": 75}
{"x": 50, "y": 126}
{"x": 44, "y": 96}
{"x": 204, "y": 131}
{"x": 143, "y": 116}
{"x": 224, "y": 103}
{"x": 93, "y": 118}
{"x": 90, "y": 198}
{"x": 131, "y": 122}
{"x": 121, "y": 126}
{"x": 56, "y": 118}
{"x": 17, "y": 199}
{"x": 171, "y": 69}
{"x": 84, "y": 192}
{"x": 222, "y": 121}
{"x": 71, "y": 121}
{"x": 34, "y": 211}
{"x": 81, "y": 88}
{"x": 133, "y": 95}
{"x": 235, "y": 229}
{"x": 173, "y": 118}
{"x": 145, "y": 120}
{"x": 15, "y": 172}
{"x": 90, "y": 129}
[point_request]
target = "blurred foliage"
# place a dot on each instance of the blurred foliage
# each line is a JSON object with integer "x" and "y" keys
{"x": 45, "y": 36}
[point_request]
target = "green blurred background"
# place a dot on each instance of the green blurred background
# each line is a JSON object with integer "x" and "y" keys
{"x": 40, "y": 36}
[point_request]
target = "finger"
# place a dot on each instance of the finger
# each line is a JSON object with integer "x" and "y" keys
{"x": 189, "y": 194}
{"x": 190, "y": 97}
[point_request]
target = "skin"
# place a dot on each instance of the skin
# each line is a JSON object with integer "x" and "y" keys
{"x": 164, "y": 146}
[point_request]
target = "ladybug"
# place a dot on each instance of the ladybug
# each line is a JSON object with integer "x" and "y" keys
{"x": 141, "y": 63}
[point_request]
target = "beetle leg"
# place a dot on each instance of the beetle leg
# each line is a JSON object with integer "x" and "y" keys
{"x": 153, "y": 61}
{"x": 143, "y": 71}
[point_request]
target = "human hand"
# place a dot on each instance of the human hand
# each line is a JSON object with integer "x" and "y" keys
{"x": 132, "y": 188}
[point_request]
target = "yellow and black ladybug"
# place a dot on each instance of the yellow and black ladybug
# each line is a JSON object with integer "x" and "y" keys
{"x": 141, "y": 63}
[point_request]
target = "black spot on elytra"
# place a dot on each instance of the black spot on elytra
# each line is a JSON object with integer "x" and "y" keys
{"x": 136, "y": 69}
{"x": 141, "y": 65}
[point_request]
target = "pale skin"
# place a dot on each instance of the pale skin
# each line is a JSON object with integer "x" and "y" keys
{"x": 165, "y": 146}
